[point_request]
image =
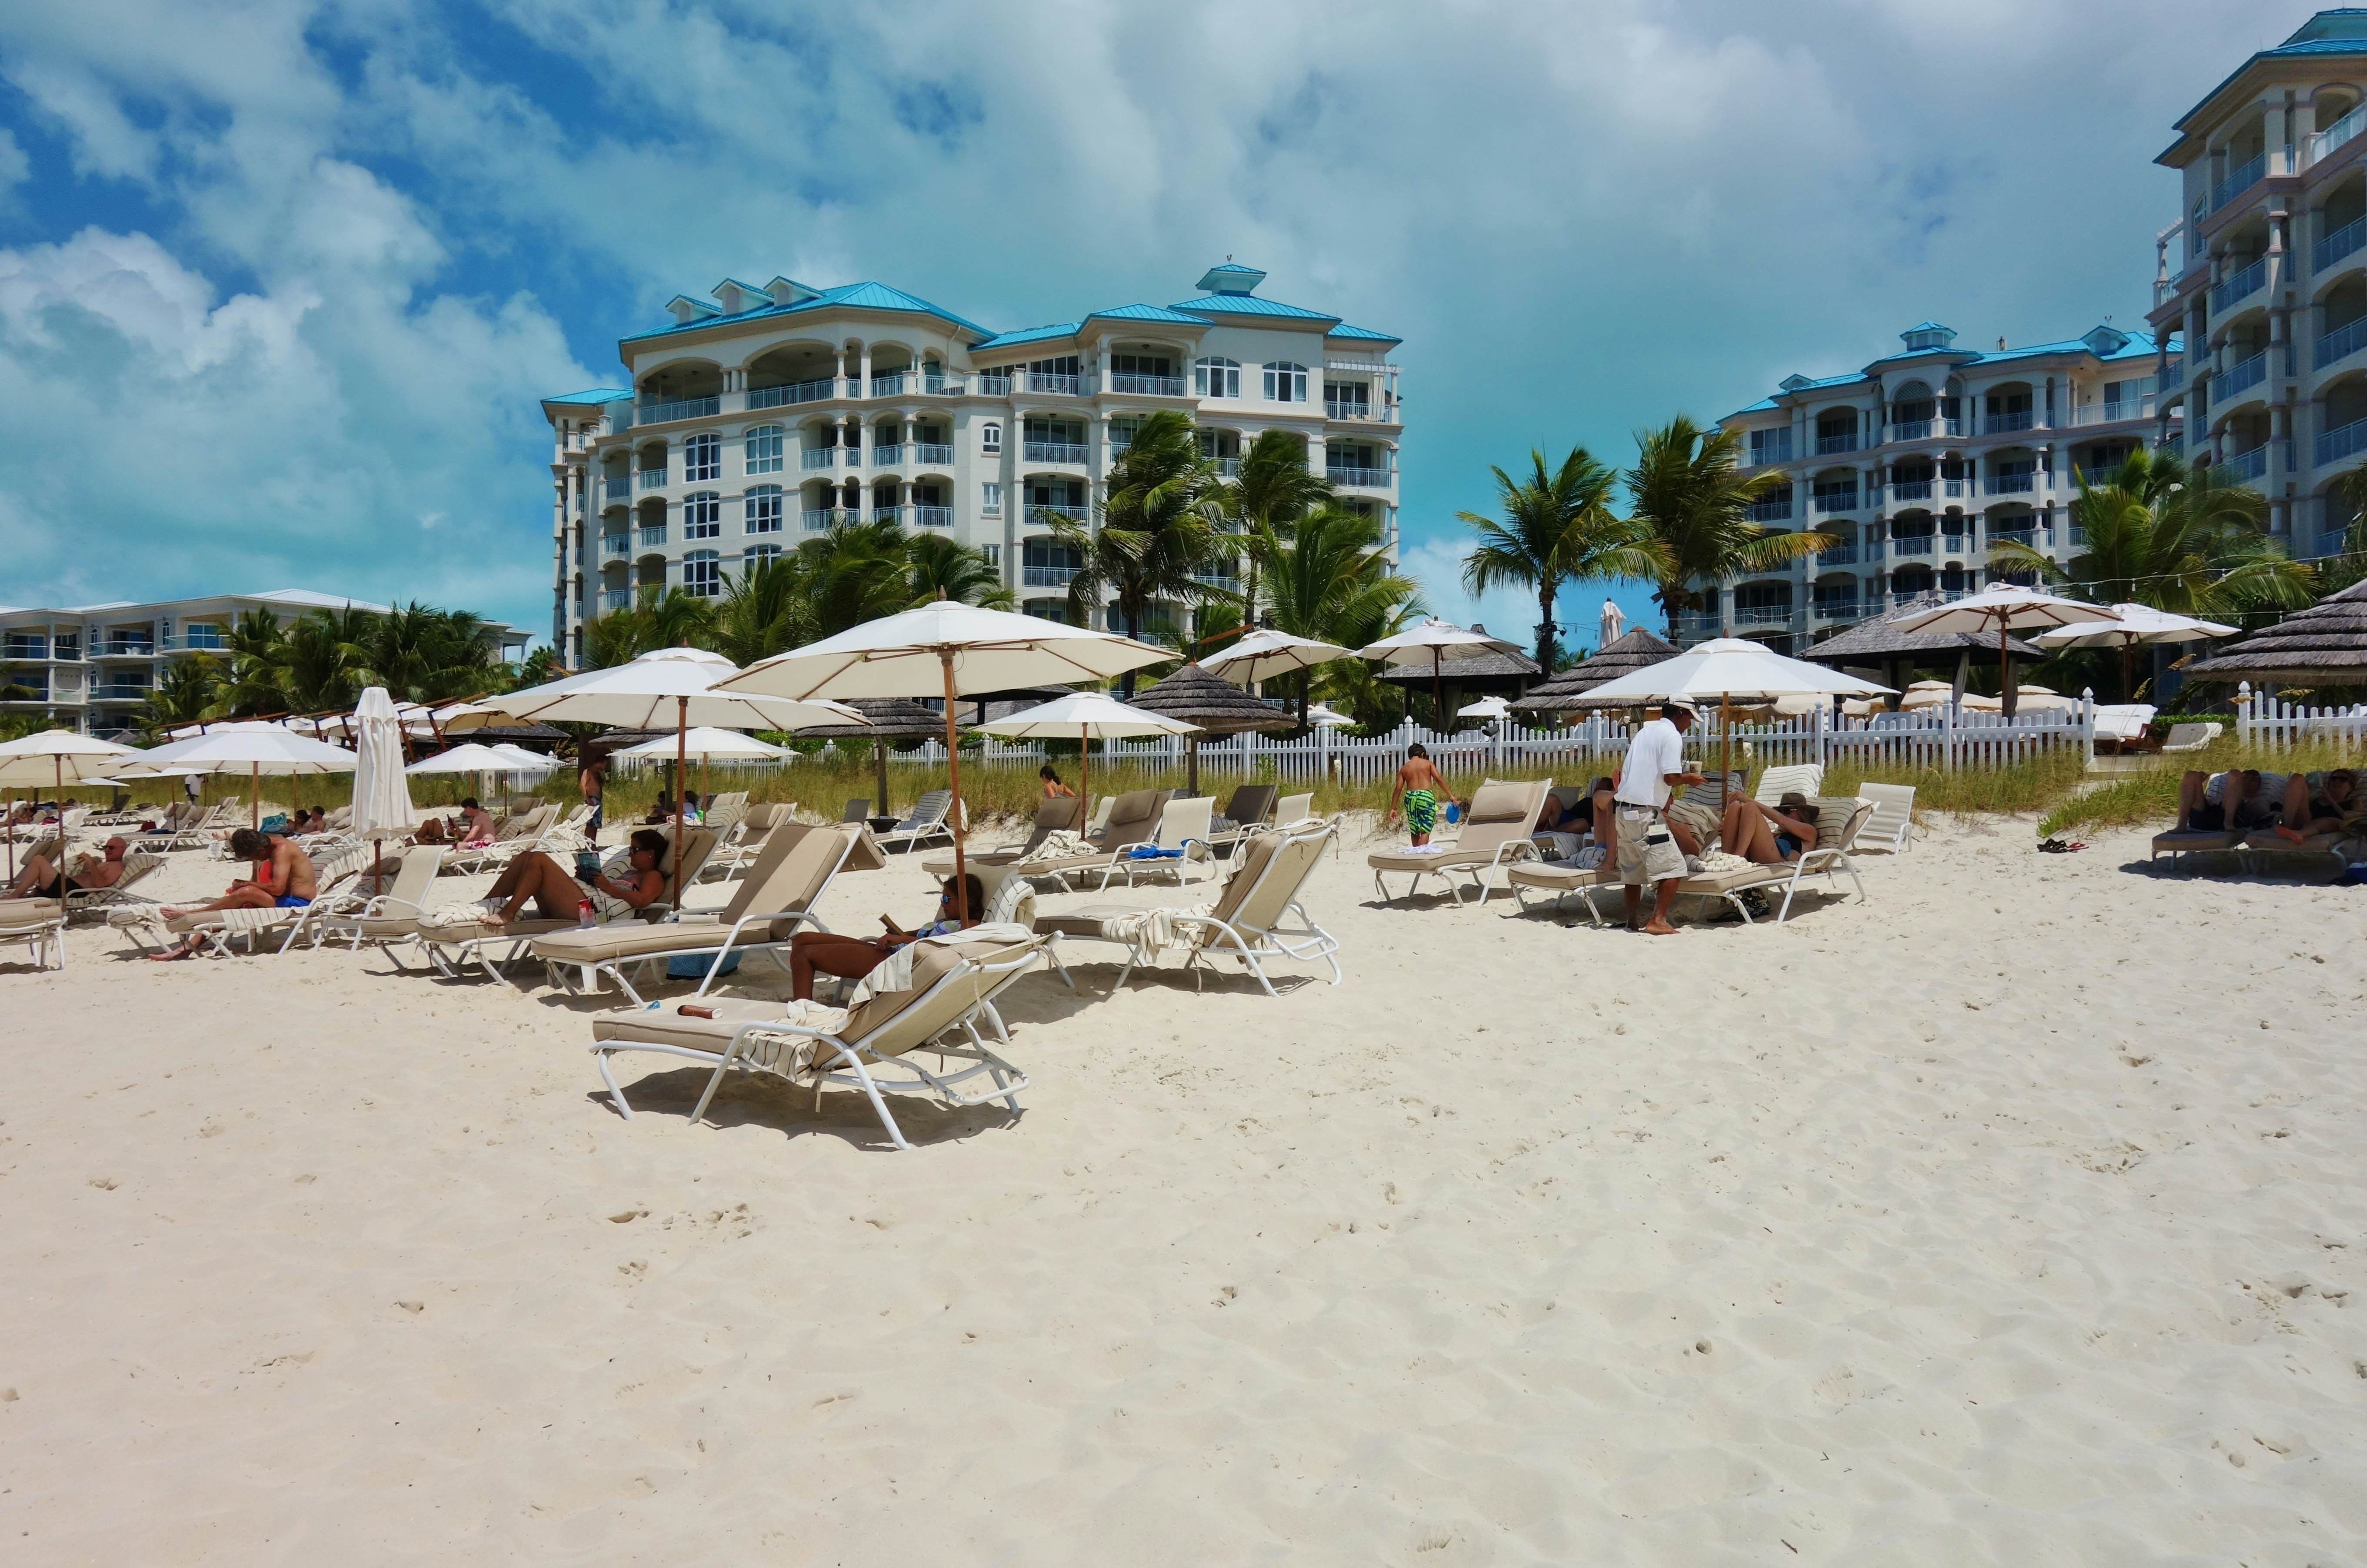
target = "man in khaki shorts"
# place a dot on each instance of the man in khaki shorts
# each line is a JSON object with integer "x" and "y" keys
{"x": 1654, "y": 765}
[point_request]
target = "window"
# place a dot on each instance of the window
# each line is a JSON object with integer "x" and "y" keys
{"x": 1285, "y": 382}
{"x": 1122, "y": 430}
{"x": 1140, "y": 365}
{"x": 1063, "y": 364}
{"x": 990, "y": 436}
{"x": 1215, "y": 377}
{"x": 765, "y": 449}
{"x": 992, "y": 554}
{"x": 761, "y": 513}
{"x": 1347, "y": 399}
{"x": 990, "y": 498}
{"x": 702, "y": 515}
{"x": 756, "y": 555}
{"x": 702, "y": 457}
{"x": 702, "y": 574}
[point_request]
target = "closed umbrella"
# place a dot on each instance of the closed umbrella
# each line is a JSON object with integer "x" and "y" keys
{"x": 2137, "y": 623}
{"x": 1089, "y": 716}
{"x": 2000, "y": 607}
{"x": 1427, "y": 644}
{"x": 382, "y": 795}
{"x": 943, "y": 649}
{"x": 27, "y": 757}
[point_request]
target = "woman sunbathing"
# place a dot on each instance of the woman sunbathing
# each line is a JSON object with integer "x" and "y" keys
{"x": 1769, "y": 837}
{"x": 852, "y": 958}
{"x": 536, "y": 878}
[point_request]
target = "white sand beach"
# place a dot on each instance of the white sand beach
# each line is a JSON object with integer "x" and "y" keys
{"x": 2016, "y": 1216}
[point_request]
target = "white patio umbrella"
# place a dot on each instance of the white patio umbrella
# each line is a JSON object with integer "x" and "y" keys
{"x": 1262, "y": 656}
{"x": 1089, "y": 716}
{"x": 1427, "y": 644}
{"x": 524, "y": 761}
{"x": 469, "y": 758}
{"x": 2137, "y": 623}
{"x": 2002, "y": 607}
{"x": 1928, "y": 694}
{"x": 1326, "y": 718}
{"x": 459, "y": 718}
{"x": 254, "y": 748}
{"x": 1486, "y": 708}
{"x": 673, "y": 687}
{"x": 382, "y": 794}
{"x": 707, "y": 744}
{"x": 1728, "y": 670}
{"x": 943, "y": 650}
{"x": 24, "y": 760}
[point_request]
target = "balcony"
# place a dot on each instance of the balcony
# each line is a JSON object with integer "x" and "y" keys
{"x": 1047, "y": 576}
{"x": 817, "y": 519}
{"x": 932, "y": 452}
{"x": 888, "y": 455}
{"x": 1228, "y": 468}
{"x": 615, "y": 547}
{"x": 2173, "y": 374}
{"x": 1836, "y": 500}
{"x": 1762, "y": 615}
{"x": 1052, "y": 452}
{"x": 652, "y": 534}
{"x": 793, "y": 392}
{"x": 890, "y": 385}
{"x": 2340, "y": 243}
{"x": 2240, "y": 178}
{"x": 2026, "y": 537}
{"x": 1066, "y": 386}
{"x": 932, "y": 517}
{"x": 1961, "y": 542}
{"x": 2243, "y": 466}
{"x": 1771, "y": 509}
{"x": 2240, "y": 285}
{"x": 1999, "y": 424}
{"x": 2110, "y": 413}
{"x": 2339, "y": 344}
{"x": 1839, "y": 555}
{"x": 1358, "y": 478}
{"x": 994, "y": 386}
{"x": 2013, "y": 482}
{"x": 35, "y": 683}
{"x": 1147, "y": 386}
{"x": 889, "y": 513}
{"x": 821, "y": 457}
{"x": 616, "y": 487}
{"x": 679, "y": 408}
{"x": 1696, "y": 627}
{"x": 2243, "y": 374}
{"x": 941, "y": 386}
{"x": 1059, "y": 509}
{"x": 1955, "y": 487}
{"x": 2340, "y": 443}
{"x": 1835, "y": 608}
{"x": 649, "y": 479}
{"x": 124, "y": 648}
{"x": 2324, "y": 142}
{"x": 25, "y": 648}
{"x": 1767, "y": 454}
{"x": 1910, "y": 490}
{"x": 1910, "y": 429}
{"x": 1338, "y": 409}
{"x": 1827, "y": 444}
{"x": 1911, "y": 545}
{"x": 118, "y": 691}
{"x": 614, "y": 599}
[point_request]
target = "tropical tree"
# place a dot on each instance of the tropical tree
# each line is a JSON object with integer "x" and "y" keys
{"x": 254, "y": 680}
{"x": 942, "y": 568}
{"x": 2163, "y": 534}
{"x": 321, "y": 669}
{"x": 184, "y": 693}
{"x": 1557, "y": 528}
{"x": 1157, "y": 514}
{"x": 1331, "y": 582}
{"x": 540, "y": 667}
{"x": 1272, "y": 488}
{"x": 765, "y": 610}
{"x": 1694, "y": 503}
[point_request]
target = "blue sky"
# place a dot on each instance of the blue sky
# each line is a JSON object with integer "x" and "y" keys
{"x": 281, "y": 282}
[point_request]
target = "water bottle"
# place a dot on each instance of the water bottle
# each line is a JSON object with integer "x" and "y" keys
{"x": 584, "y": 914}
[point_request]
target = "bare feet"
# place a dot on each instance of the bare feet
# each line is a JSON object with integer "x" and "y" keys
{"x": 2293, "y": 834}
{"x": 1658, "y": 928}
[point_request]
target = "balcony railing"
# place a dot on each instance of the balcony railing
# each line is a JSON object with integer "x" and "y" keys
{"x": 1997, "y": 423}
{"x": 2340, "y": 443}
{"x": 1059, "y": 509}
{"x": 2340, "y": 243}
{"x": 2243, "y": 373}
{"x": 941, "y": 386}
{"x": 613, "y": 599}
{"x": 1910, "y": 544}
{"x": 991, "y": 385}
{"x": 1146, "y": 386}
{"x": 118, "y": 691}
{"x": 2013, "y": 482}
{"x": 1826, "y": 444}
{"x": 1961, "y": 541}
{"x": 890, "y": 385}
{"x": 125, "y": 648}
{"x": 1910, "y": 490}
{"x": 1768, "y": 454}
{"x": 1836, "y": 500}
{"x": 1070, "y": 386}
{"x": 2240, "y": 285}
{"x": 2243, "y": 466}
{"x": 817, "y": 519}
{"x": 618, "y": 487}
{"x": 616, "y": 545}
{"x": 1771, "y": 509}
{"x": 887, "y": 514}
{"x": 1052, "y": 452}
{"x": 1762, "y": 615}
{"x": 2240, "y": 178}
{"x": 932, "y": 517}
{"x": 1910, "y": 429}
{"x": 649, "y": 479}
{"x": 794, "y": 392}
{"x": 1228, "y": 468}
{"x": 1835, "y": 608}
{"x": 1358, "y": 478}
{"x": 1047, "y": 576}
{"x": 2027, "y": 538}
{"x": 888, "y": 454}
{"x": 1695, "y": 628}
{"x": 819, "y": 457}
{"x": 2111, "y": 413}
{"x": 2174, "y": 373}
{"x": 650, "y": 534}
{"x": 932, "y": 452}
{"x": 2341, "y": 343}
{"x": 677, "y": 408}
{"x": 1336, "y": 409}
{"x": 1839, "y": 555}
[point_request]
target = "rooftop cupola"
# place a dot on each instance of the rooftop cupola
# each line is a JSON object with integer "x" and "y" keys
{"x": 1228, "y": 279}
{"x": 1928, "y": 335}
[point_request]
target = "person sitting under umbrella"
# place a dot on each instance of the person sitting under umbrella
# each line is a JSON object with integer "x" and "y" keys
{"x": 558, "y": 893}
{"x": 852, "y": 958}
{"x": 284, "y": 879}
{"x": 39, "y": 878}
{"x": 1769, "y": 835}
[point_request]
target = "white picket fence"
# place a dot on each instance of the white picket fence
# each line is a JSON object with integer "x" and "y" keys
{"x": 1935, "y": 738}
{"x": 2264, "y": 719}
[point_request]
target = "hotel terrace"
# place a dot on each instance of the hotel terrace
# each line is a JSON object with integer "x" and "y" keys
{"x": 766, "y": 413}
{"x": 1919, "y": 462}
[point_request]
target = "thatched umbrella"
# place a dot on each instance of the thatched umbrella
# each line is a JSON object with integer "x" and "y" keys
{"x": 1214, "y": 705}
{"x": 893, "y": 719}
{"x": 2323, "y": 645}
{"x": 1636, "y": 650}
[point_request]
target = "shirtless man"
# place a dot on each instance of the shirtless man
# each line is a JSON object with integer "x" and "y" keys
{"x": 1418, "y": 789}
{"x": 284, "y": 879}
{"x": 39, "y": 878}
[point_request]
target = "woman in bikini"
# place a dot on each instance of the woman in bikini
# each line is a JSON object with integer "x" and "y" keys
{"x": 852, "y": 958}
{"x": 536, "y": 878}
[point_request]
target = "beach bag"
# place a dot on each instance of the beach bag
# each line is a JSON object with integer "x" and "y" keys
{"x": 694, "y": 966}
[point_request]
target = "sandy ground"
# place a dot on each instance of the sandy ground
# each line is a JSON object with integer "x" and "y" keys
{"x": 2015, "y": 1216}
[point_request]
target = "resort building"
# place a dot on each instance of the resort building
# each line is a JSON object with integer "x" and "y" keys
{"x": 2270, "y": 293}
{"x": 766, "y": 413}
{"x": 90, "y": 668}
{"x": 1917, "y": 462}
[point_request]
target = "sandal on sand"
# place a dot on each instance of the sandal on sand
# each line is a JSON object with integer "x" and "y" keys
{"x": 2060, "y": 846}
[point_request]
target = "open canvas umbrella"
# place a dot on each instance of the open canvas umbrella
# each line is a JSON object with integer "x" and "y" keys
{"x": 1324, "y": 718}
{"x": 27, "y": 758}
{"x": 890, "y": 719}
{"x": 1262, "y": 656}
{"x": 2000, "y": 607}
{"x": 1193, "y": 697}
{"x": 1729, "y": 671}
{"x": 705, "y": 744}
{"x": 1486, "y": 708}
{"x": 1427, "y": 644}
{"x": 2137, "y": 623}
{"x": 1089, "y": 716}
{"x": 944, "y": 648}
{"x": 253, "y": 748}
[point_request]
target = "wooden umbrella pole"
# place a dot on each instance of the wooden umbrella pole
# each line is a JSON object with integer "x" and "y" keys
{"x": 1437, "y": 695}
{"x": 1084, "y": 777}
{"x": 681, "y": 745}
{"x": 254, "y": 805}
{"x": 880, "y": 760}
{"x": 953, "y": 777}
{"x": 58, "y": 770}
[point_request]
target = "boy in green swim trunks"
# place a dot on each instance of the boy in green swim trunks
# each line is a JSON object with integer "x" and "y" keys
{"x": 1418, "y": 789}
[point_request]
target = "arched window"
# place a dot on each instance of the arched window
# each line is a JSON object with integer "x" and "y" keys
{"x": 1215, "y": 377}
{"x": 990, "y": 436}
{"x": 761, "y": 512}
{"x": 1285, "y": 382}
{"x": 702, "y": 457}
{"x": 702, "y": 515}
{"x": 702, "y": 574}
{"x": 765, "y": 449}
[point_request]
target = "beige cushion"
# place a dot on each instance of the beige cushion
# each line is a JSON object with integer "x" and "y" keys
{"x": 663, "y": 1026}
{"x": 1086, "y": 922}
{"x": 1499, "y": 802}
{"x": 1528, "y": 874}
{"x": 631, "y": 938}
{"x": 2195, "y": 839}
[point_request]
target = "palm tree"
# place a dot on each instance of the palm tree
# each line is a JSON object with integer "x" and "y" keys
{"x": 1687, "y": 492}
{"x": 1157, "y": 528}
{"x": 942, "y": 568}
{"x": 1331, "y": 582}
{"x": 857, "y": 571}
{"x": 1559, "y": 528}
{"x": 1273, "y": 489}
{"x": 184, "y": 693}
{"x": 258, "y": 649}
{"x": 323, "y": 669}
{"x": 765, "y": 610}
{"x": 2160, "y": 533}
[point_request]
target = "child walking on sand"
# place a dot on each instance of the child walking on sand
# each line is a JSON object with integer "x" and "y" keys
{"x": 1418, "y": 789}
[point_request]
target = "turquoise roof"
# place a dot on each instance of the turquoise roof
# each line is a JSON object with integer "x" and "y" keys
{"x": 869, "y": 296}
{"x": 1065, "y": 329}
{"x": 2140, "y": 346}
{"x": 1029, "y": 335}
{"x": 2342, "y": 31}
{"x": 1249, "y": 305}
{"x": 1363, "y": 334}
{"x": 598, "y": 394}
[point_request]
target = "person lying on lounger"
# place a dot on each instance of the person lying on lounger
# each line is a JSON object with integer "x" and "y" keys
{"x": 556, "y": 893}
{"x": 2323, "y": 810}
{"x": 1768, "y": 837}
{"x": 283, "y": 878}
{"x": 852, "y": 958}
{"x": 40, "y": 880}
{"x": 2223, "y": 802}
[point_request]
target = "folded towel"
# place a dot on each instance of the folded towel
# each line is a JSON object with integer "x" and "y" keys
{"x": 895, "y": 972}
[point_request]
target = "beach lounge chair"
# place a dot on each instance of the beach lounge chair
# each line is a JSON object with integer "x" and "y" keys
{"x": 1839, "y": 824}
{"x": 1775, "y": 783}
{"x": 455, "y": 939}
{"x": 1495, "y": 833}
{"x": 858, "y": 809}
{"x": 2190, "y": 737}
{"x": 2333, "y": 848}
{"x": 871, "y": 1046}
{"x": 736, "y": 849}
{"x": 2181, "y": 843}
{"x": 1246, "y": 921}
{"x": 1054, "y": 813}
{"x": 1250, "y": 808}
{"x": 1891, "y": 828}
{"x": 1097, "y": 820}
{"x": 1133, "y": 819}
{"x": 774, "y": 899}
{"x": 924, "y": 822}
{"x": 513, "y": 838}
{"x": 1181, "y": 837}
{"x": 2124, "y": 728}
{"x": 138, "y": 865}
{"x": 367, "y": 913}
{"x": 35, "y": 925}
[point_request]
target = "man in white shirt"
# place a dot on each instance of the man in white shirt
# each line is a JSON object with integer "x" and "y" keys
{"x": 1655, "y": 765}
